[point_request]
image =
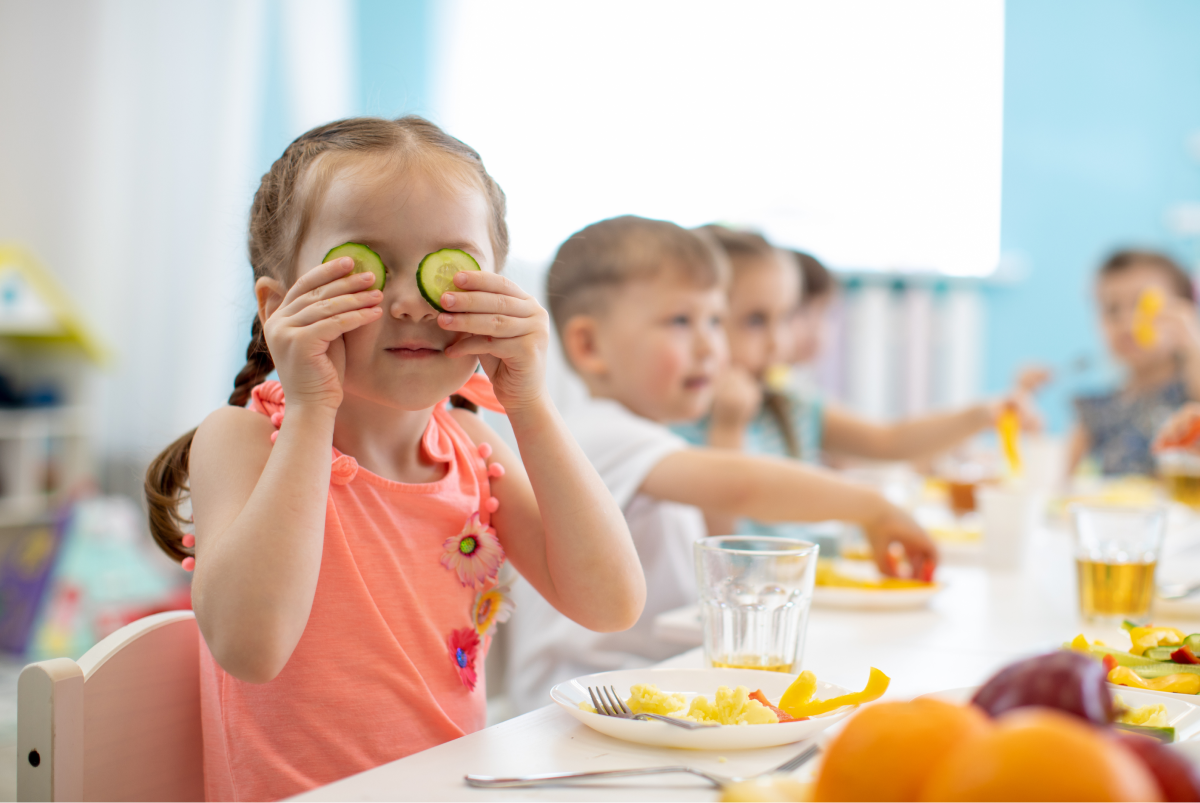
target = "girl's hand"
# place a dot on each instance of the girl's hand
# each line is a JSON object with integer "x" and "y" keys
{"x": 509, "y": 332}
{"x": 737, "y": 399}
{"x": 1182, "y": 430}
{"x": 894, "y": 526}
{"x": 305, "y": 331}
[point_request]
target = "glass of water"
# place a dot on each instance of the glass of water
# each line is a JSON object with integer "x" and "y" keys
{"x": 755, "y": 592}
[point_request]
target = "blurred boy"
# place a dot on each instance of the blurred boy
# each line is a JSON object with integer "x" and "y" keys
{"x": 639, "y": 308}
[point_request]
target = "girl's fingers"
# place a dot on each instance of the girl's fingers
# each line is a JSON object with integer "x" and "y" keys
{"x": 335, "y": 326}
{"x": 478, "y": 345}
{"x": 344, "y": 285}
{"x": 329, "y": 307}
{"x": 488, "y": 324}
{"x": 494, "y": 303}
{"x": 320, "y": 275}
{"x": 489, "y": 283}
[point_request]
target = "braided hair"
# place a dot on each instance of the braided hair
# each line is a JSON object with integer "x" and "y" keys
{"x": 279, "y": 219}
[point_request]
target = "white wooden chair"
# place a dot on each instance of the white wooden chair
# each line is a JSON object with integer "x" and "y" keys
{"x": 121, "y": 724}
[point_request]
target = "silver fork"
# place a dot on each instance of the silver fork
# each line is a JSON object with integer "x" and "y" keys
{"x": 611, "y": 705}
{"x": 556, "y": 778}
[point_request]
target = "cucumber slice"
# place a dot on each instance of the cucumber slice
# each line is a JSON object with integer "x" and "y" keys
{"x": 1164, "y": 735}
{"x": 435, "y": 274}
{"x": 1160, "y": 653}
{"x": 365, "y": 261}
{"x": 1192, "y": 642}
{"x": 1122, "y": 657}
{"x": 1159, "y": 669}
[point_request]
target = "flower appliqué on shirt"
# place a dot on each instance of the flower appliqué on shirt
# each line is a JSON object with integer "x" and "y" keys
{"x": 474, "y": 554}
{"x": 464, "y": 645}
{"x": 492, "y": 607}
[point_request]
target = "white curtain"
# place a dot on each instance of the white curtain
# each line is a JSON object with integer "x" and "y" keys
{"x": 130, "y": 148}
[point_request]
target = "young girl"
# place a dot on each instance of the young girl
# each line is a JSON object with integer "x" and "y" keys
{"x": 752, "y": 415}
{"x": 348, "y": 527}
{"x": 1148, "y": 316}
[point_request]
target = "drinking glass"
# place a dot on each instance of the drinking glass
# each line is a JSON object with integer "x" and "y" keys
{"x": 755, "y": 592}
{"x": 1180, "y": 472}
{"x": 1116, "y": 552}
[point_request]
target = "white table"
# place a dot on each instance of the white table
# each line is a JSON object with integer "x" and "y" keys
{"x": 980, "y": 622}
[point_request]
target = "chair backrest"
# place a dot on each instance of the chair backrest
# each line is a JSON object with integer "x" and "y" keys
{"x": 121, "y": 724}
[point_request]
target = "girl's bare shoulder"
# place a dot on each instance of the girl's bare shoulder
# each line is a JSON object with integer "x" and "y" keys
{"x": 231, "y": 437}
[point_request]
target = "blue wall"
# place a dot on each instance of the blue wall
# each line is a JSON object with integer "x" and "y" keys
{"x": 395, "y": 53}
{"x": 1100, "y": 100}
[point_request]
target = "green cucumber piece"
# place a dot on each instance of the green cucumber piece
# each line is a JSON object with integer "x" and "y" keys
{"x": 365, "y": 261}
{"x": 1159, "y": 669}
{"x": 435, "y": 274}
{"x": 1122, "y": 657}
{"x": 1161, "y": 653}
{"x": 1164, "y": 735}
{"x": 1192, "y": 642}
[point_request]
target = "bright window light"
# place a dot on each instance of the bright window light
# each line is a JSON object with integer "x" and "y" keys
{"x": 865, "y": 131}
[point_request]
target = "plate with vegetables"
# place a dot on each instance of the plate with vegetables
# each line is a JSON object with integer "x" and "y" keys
{"x": 1163, "y": 660}
{"x": 750, "y": 707}
{"x": 847, "y": 586}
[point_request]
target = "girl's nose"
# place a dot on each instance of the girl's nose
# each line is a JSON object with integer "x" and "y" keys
{"x": 402, "y": 299}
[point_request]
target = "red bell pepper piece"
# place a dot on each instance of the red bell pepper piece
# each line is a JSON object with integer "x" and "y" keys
{"x": 1110, "y": 663}
{"x": 784, "y": 716}
{"x": 1184, "y": 655}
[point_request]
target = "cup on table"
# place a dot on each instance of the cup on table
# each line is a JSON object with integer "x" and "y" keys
{"x": 755, "y": 594}
{"x": 1009, "y": 514}
{"x": 1116, "y": 553}
{"x": 1180, "y": 473}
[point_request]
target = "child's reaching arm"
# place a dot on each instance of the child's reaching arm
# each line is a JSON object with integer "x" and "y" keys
{"x": 773, "y": 489}
{"x": 559, "y": 525}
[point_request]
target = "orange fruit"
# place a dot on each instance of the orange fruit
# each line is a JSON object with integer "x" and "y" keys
{"x": 888, "y": 749}
{"x": 1041, "y": 754}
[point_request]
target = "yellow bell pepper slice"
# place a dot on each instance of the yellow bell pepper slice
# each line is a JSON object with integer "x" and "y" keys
{"x": 1182, "y": 683}
{"x": 1144, "y": 638}
{"x": 1008, "y": 428}
{"x": 1149, "y": 304}
{"x": 877, "y": 684}
{"x": 800, "y": 692}
{"x": 1080, "y": 644}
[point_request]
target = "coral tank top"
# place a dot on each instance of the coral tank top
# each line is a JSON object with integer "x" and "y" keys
{"x": 391, "y": 660}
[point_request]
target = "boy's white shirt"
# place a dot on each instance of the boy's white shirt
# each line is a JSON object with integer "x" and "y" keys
{"x": 546, "y": 647}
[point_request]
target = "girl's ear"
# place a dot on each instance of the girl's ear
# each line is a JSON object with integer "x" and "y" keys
{"x": 580, "y": 338}
{"x": 270, "y": 293}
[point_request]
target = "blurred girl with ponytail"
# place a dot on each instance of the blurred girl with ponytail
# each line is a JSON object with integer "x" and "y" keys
{"x": 351, "y": 518}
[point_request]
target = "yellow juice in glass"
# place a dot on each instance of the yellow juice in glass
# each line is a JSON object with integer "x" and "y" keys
{"x": 1115, "y": 589}
{"x": 1183, "y": 488}
{"x": 772, "y": 664}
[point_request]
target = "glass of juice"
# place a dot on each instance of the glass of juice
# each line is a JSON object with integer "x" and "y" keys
{"x": 755, "y": 593}
{"x": 1180, "y": 473}
{"x": 1116, "y": 552}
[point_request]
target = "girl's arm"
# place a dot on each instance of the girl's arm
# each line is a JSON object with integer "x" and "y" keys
{"x": 260, "y": 509}
{"x": 559, "y": 524}
{"x": 775, "y": 489}
{"x": 849, "y": 434}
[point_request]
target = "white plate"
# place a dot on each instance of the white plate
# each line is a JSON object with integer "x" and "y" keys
{"x": 863, "y": 599}
{"x": 691, "y": 683}
{"x": 1183, "y": 715}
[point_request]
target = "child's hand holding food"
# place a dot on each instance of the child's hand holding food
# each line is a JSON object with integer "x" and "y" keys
{"x": 893, "y": 526}
{"x": 304, "y": 328}
{"x": 737, "y": 399}
{"x": 508, "y": 329}
{"x": 1182, "y": 430}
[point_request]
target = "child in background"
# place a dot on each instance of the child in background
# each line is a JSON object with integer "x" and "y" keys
{"x": 766, "y": 299}
{"x": 1148, "y": 317}
{"x": 346, "y": 553}
{"x": 639, "y": 306}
